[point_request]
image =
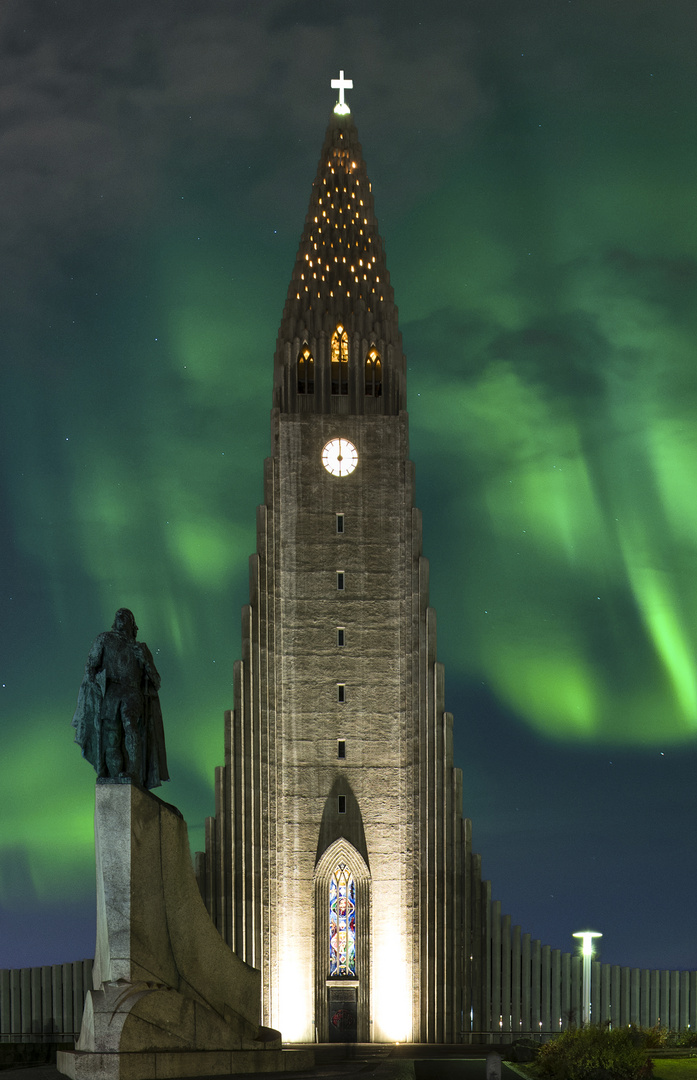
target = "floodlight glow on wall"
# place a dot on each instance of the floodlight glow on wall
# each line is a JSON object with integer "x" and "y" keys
{"x": 293, "y": 1010}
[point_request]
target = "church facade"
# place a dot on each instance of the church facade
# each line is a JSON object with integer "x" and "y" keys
{"x": 336, "y": 860}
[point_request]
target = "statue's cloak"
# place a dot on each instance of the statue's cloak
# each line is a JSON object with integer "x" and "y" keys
{"x": 87, "y": 724}
{"x": 153, "y": 738}
{"x": 87, "y": 716}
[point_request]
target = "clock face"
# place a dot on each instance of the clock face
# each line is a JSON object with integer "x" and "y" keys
{"x": 339, "y": 457}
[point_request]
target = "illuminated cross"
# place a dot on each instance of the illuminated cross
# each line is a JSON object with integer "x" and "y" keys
{"x": 342, "y": 84}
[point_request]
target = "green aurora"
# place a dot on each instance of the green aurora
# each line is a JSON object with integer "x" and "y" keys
{"x": 542, "y": 245}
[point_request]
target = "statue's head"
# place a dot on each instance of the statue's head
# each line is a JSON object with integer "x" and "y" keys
{"x": 125, "y": 623}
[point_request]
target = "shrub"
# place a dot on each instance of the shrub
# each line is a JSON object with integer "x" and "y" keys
{"x": 593, "y": 1053}
{"x": 652, "y": 1037}
{"x": 661, "y": 1037}
{"x": 686, "y": 1037}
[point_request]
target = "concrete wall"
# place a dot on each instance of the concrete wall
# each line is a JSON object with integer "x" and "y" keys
{"x": 516, "y": 986}
{"x": 44, "y": 1001}
{"x": 529, "y": 989}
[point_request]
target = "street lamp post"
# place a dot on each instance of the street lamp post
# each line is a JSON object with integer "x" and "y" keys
{"x": 587, "y": 946}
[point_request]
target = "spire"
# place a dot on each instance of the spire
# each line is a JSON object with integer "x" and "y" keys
{"x": 340, "y": 276}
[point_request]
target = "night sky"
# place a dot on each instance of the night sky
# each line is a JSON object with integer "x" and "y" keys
{"x": 533, "y": 164}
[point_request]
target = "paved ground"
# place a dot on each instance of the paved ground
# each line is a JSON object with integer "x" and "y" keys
{"x": 341, "y": 1063}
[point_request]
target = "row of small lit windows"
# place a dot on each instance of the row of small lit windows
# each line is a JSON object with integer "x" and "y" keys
{"x": 355, "y": 215}
{"x": 344, "y": 242}
{"x": 340, "y": 208}
{"x": 360, "y": 274}
{"x": 354, "y": 179}
{"x": 339, "y": 368}
{"x": 356, "y": 211}
{"x": 331, "y": 293}
{"x": 364, "y": 262}
{"x": 340, "y": 159}
{"x": 317, "y": 267}
{"x": 359, "y": 269}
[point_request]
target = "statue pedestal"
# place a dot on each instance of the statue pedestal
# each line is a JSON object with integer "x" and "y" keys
{"x": 170, "y": 998}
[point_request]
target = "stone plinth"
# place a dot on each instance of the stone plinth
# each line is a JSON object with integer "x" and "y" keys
{"x": 170, "y": 998}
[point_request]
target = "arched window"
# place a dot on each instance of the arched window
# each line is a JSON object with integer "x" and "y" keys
{"x": 339, "y": 361}
{"x": 342, "y": 923}
{"x": 306, "y": 372}
{"x": 373, "y": 374}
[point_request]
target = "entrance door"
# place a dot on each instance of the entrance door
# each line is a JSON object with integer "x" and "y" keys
{"x": 343, "y": 1013}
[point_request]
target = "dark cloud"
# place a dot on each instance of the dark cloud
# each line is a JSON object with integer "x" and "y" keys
{"x": 103, "y": 111}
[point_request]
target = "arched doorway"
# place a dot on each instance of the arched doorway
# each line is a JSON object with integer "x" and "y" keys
{"x": 342, "y": 945}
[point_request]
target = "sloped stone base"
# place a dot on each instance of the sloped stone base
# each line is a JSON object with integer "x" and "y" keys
{"x": 170, "y": 999}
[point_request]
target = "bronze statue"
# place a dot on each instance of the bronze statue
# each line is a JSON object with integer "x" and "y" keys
{"x": 118, "y": 719}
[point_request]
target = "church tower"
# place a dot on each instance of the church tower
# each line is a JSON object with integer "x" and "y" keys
{"x": 334, "y": 861}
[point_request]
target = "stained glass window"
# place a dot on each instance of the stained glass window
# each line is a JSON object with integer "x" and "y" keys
{"x": 342, "y": 922}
